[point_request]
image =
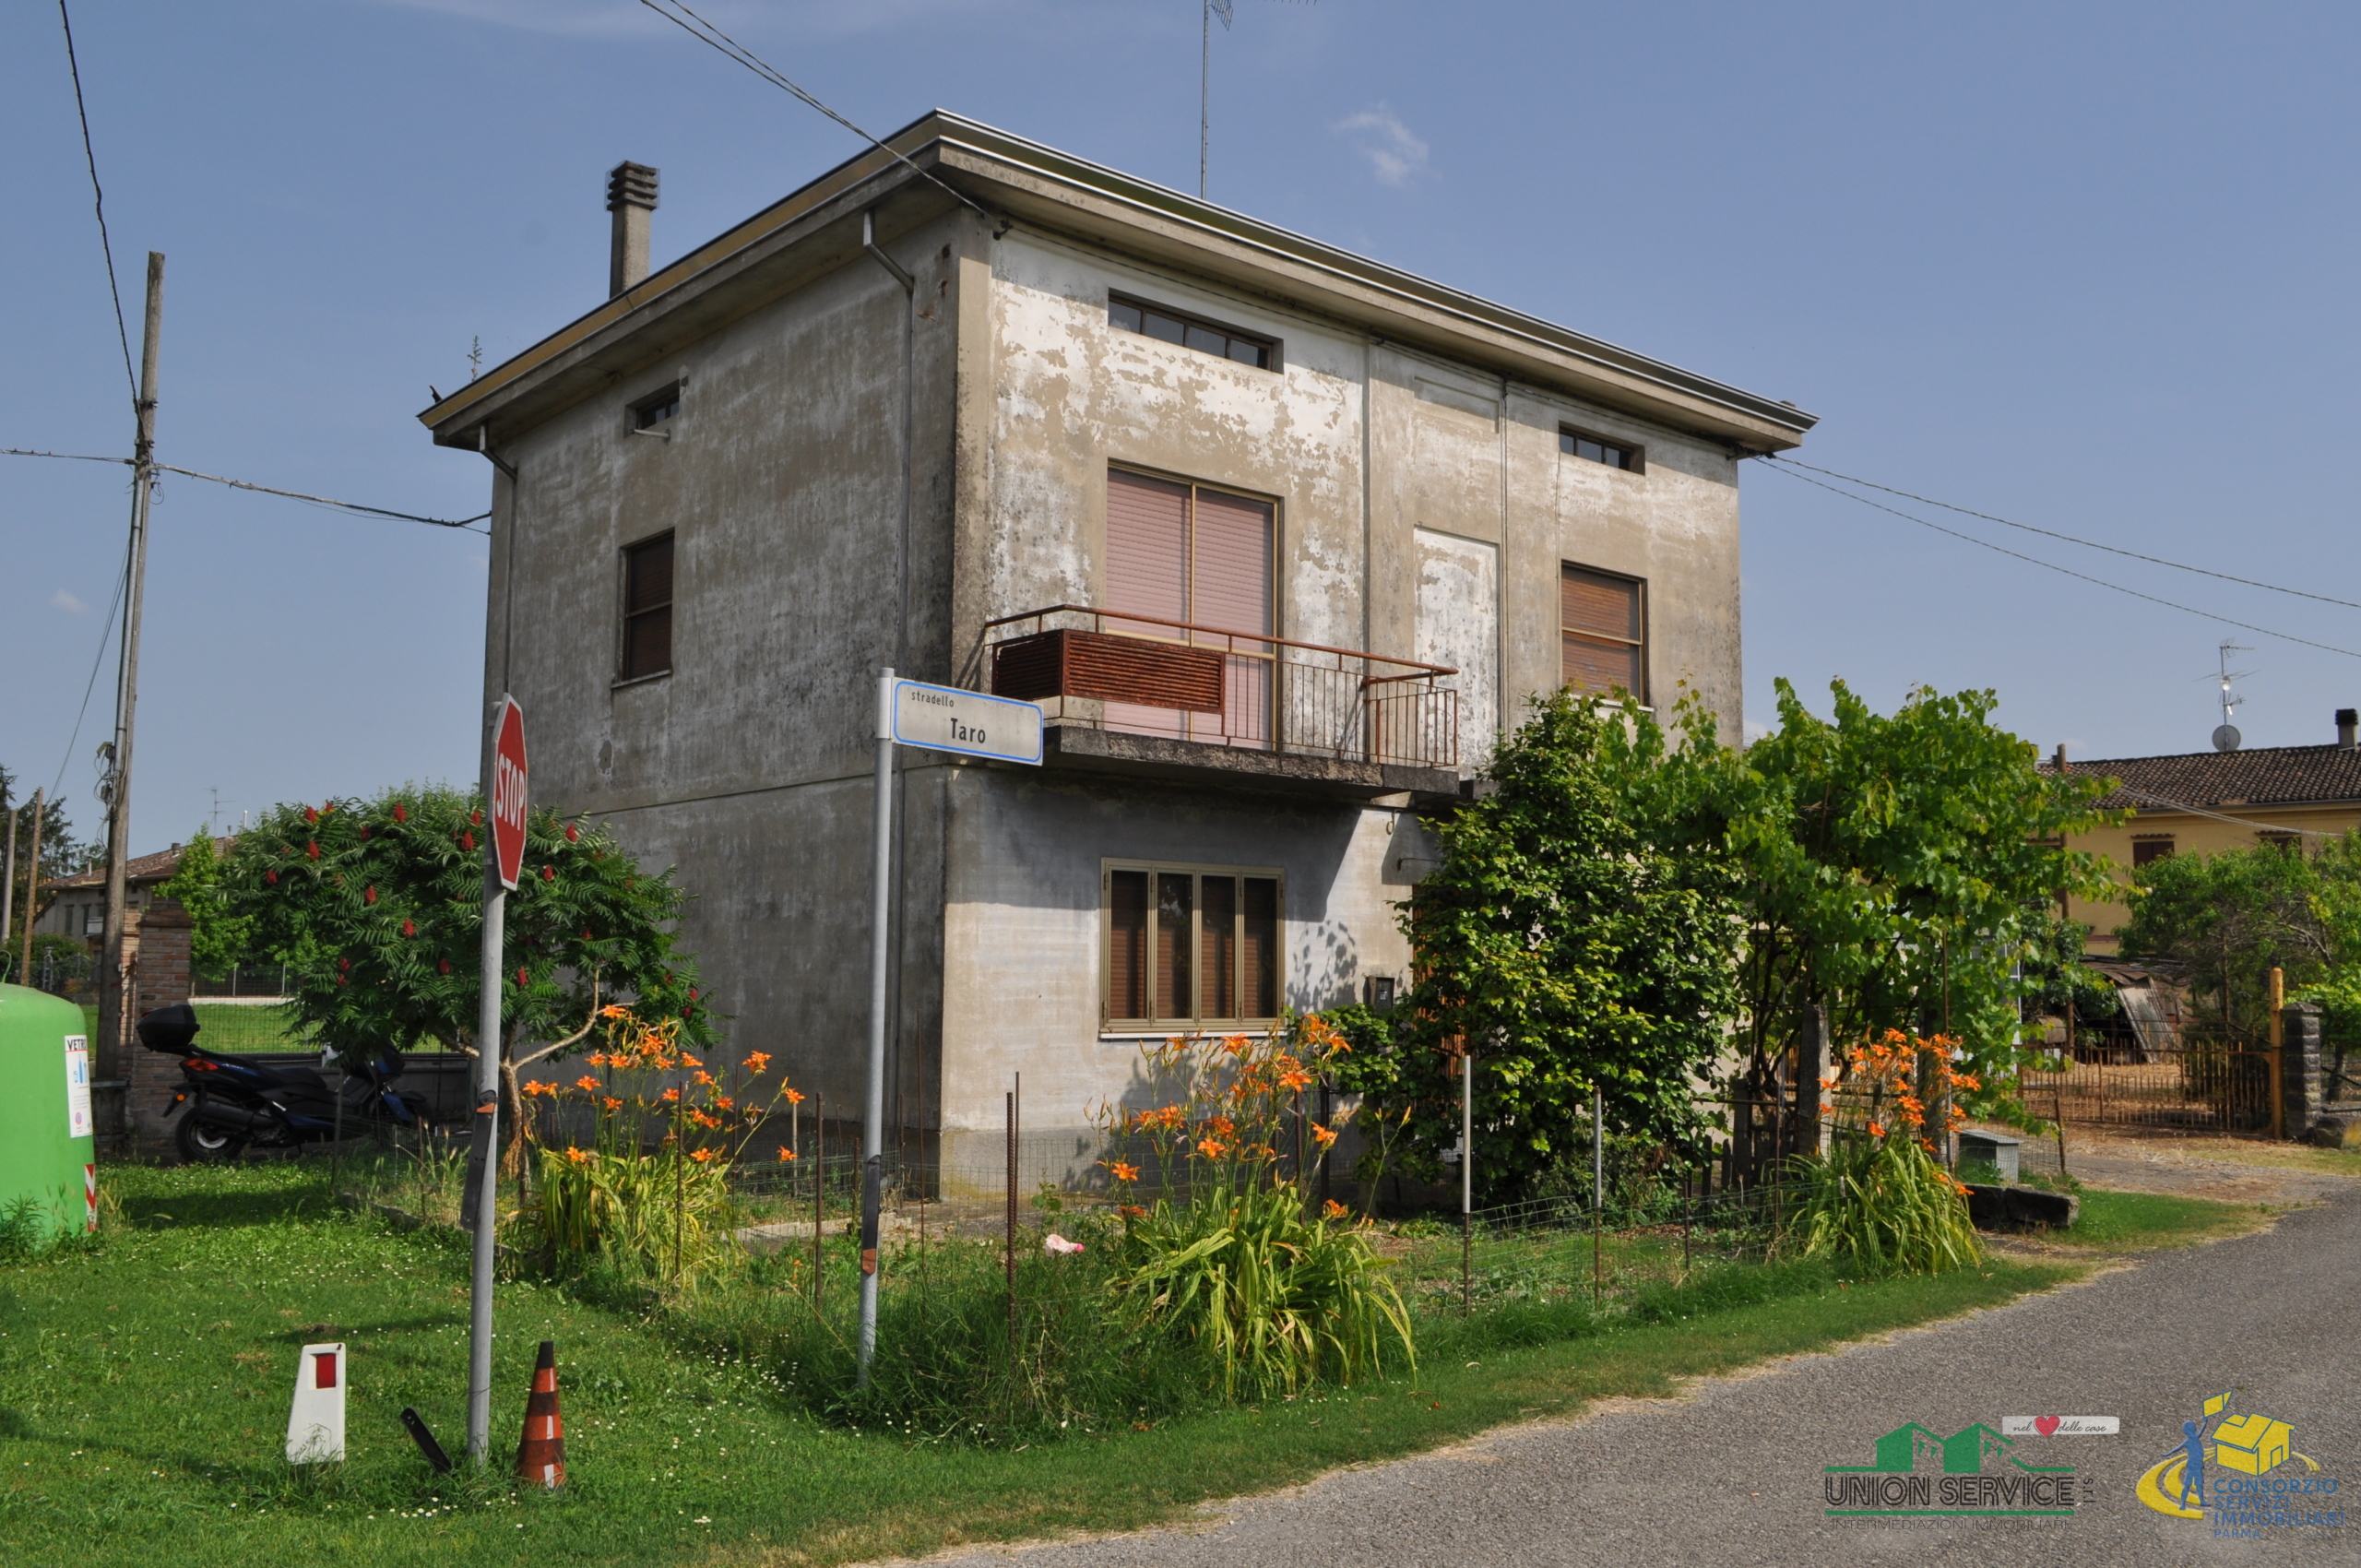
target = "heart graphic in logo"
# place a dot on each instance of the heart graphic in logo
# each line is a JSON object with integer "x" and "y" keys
{"x": 2046, "y": 1425}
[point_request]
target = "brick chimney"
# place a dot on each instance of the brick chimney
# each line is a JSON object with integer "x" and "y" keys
{"x": 2348, "y": 730}
{"x": 631, "y": 196}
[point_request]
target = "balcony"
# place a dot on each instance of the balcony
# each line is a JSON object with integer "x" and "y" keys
{"x": 1141, "y": 695}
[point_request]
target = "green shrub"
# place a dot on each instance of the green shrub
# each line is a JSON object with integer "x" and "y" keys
{"x": 1274, "y": 1301}
{"x": 1882, "y": 1205}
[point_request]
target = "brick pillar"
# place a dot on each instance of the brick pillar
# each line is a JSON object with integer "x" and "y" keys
{"x": 160, "y": 977}
{"x": 2299, "y": 1068}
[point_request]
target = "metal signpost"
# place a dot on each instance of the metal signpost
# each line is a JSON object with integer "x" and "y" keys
{"x": 939, "y": 719}
{"x": 504, "y": 859}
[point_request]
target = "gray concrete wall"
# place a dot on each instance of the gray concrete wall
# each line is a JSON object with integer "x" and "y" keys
{"x": 748, "y": 767}
{"x": 1365, "y": 446}
{"x": 1024, "y": 973}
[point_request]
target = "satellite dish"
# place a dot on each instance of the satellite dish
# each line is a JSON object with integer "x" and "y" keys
{"x": 2226, "y": 737}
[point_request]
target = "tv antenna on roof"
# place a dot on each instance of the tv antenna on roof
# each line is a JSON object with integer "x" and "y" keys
{"x": 1227, "y": 11}
{"x": 2226, "y": 735}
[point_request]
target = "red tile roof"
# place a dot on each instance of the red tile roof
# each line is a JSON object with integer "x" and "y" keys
{"x": 145, "y": 869}
{"x": 2268, "y": 776}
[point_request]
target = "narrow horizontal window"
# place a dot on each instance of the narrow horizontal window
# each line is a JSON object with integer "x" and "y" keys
{"x": 1192, "y": 332}
{"x": 1596, "y": 449}
{"x": 649, "y": 412}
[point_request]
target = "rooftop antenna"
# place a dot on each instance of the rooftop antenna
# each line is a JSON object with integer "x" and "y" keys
{"x": 1226, "y": 10}
{"x": 2226, "y": 734}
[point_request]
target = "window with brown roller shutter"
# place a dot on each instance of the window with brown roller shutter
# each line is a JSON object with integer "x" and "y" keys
{"x": 1603, "y": 631}
{"x": 647, "y": 608}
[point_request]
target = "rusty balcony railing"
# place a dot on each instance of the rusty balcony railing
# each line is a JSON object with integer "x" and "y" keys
{"x": 1145, "y": 675}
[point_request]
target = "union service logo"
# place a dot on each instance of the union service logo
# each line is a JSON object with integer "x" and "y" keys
{"x": 1974, "y": 1472}
{"x": 2241, "y": 1474}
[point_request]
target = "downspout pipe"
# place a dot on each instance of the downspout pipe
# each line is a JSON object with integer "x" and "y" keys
{"x": 887, "y": 924}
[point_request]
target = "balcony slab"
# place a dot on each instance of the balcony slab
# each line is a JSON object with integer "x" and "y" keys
{"x": 1087, "y": 749}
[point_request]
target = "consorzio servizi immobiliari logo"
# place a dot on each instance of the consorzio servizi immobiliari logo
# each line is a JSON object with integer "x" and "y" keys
{"x": 2240, "y": 1474}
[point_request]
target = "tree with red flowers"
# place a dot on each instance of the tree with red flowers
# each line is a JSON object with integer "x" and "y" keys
{"x": 376, "y": 908}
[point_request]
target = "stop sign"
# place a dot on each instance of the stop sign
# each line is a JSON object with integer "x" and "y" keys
{"x": 508, "y": 791}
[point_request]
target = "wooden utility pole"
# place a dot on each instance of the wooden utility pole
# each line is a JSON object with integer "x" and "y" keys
{"x": 8, "y": 884}
{"x": 114, "y": 1028}
{"x": 33, "y": 893}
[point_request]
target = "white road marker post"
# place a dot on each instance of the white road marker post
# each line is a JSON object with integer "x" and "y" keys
{"x": 315, "y": 1420}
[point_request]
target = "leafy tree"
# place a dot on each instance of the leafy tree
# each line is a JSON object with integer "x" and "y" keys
{"x": 218, "y": 938}
{"x": 376, "y": 909}
{"x": 1896, "y": 870}
{"x": 2232, "y": 918}
{"x": 61, "y": 853}
{"x": 1565, "y": 941}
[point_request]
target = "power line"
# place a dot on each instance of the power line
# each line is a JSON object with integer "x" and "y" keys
{"x": 97, "y": 200}
{"x": 2070, "y": 539}
{"x": 2067, "y": 571}
{"x": 98, "y": 661}
{"x": 329, "y": 500}
{"x": 696, "y": 27}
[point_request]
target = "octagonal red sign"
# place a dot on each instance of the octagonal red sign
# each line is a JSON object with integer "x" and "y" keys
{"x": 508, "y": 792}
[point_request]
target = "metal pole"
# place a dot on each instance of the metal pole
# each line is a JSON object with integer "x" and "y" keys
{"x": 1009, "y": 1247}
{"x": 112, "y": 1023}
{"x": 872, "y": 1129}
{"x": 1597, "y": 1198}
{"x": 1467, "y": 1183}
{"x": 819, "y": 1191}
{"x": 1204, "y": 91}
{"x": 483, "y": 1158}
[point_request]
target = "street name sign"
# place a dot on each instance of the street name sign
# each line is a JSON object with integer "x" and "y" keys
{"x": 944, "y": 718}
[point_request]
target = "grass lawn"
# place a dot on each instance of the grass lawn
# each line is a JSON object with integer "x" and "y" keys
{"x": 2138, "y": 1222}
{"x": 144, "y": 1385}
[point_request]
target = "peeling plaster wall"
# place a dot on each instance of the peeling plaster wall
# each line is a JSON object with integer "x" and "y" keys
{"x": 1455, "y": 476}
{"x": 748, "y": 767}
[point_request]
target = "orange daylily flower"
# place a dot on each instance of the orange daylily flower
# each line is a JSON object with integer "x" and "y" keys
{"x": 1334, "y": 1210}
{"x": 756, "y": 1060}
{"x": 611, "y": 1103}
{"x": 787, "y": 1154}
{"x": 669, "y": 1095}
{"x": 795, "y": 1097}
{"x": 1123, "y": 1172}
{"x": 588, "y": 1083}
{"x": 700, "y": 1154}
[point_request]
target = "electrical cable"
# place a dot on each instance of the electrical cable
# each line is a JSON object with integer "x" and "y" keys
{"x": 98, "y": 201}
{"x": 98, "y": 662}
{"x": 2067, "y": 571}
{"x": 464, "y": 523}
{"x": 696, "y": 27}
{"x": 2070, "y": 539}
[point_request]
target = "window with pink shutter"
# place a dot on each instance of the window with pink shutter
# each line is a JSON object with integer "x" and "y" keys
{"x": 1191, "y": 554}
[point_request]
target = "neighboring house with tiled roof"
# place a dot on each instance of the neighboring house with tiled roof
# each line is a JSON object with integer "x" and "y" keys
{"x": 77, "y": 904}
{"x": 2204, "y": 802}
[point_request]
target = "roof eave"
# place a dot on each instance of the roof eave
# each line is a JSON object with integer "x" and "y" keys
{"x": 751, "y": 263}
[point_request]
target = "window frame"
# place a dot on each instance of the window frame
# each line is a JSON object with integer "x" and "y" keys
{"x": 1273, "y": 359}
{"x": 1110, "y": 1022}
{"x": 624, "y": 614}
{"x": 668, "y": 398}
{"x": 1274, "y": 587}
{"x": 1640, "y": 643}
{"x": 2149, "y": 847}
{"x": 1635, "y": 454}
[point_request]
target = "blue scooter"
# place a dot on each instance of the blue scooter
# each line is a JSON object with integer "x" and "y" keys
{"x": 235, "y": 1102}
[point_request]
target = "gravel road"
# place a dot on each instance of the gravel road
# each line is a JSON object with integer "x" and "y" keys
{"x": 1733, "y": 1474}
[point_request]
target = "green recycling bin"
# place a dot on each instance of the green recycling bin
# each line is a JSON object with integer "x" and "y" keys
{"x": 49, "y": 1174}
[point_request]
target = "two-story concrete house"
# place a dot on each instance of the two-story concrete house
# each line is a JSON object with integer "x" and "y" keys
{"x": 1280, "y": 537}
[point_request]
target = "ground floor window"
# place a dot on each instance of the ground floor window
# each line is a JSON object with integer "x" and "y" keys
{"x": 1190, "y": 946}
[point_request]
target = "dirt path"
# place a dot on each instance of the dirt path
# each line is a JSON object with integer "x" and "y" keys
{"x": 2224, "y": 1170}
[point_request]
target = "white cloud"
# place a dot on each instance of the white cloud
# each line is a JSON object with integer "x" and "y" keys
{"x": 68, "y": 603}
{"x": 1393, "y": 152}
{"x": 1756, "y": 730}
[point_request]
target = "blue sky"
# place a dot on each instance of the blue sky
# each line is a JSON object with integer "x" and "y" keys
{"x": 2084, "y": 267}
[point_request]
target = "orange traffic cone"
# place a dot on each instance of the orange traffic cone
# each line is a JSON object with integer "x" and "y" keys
{"x": 542, "y": 1456}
